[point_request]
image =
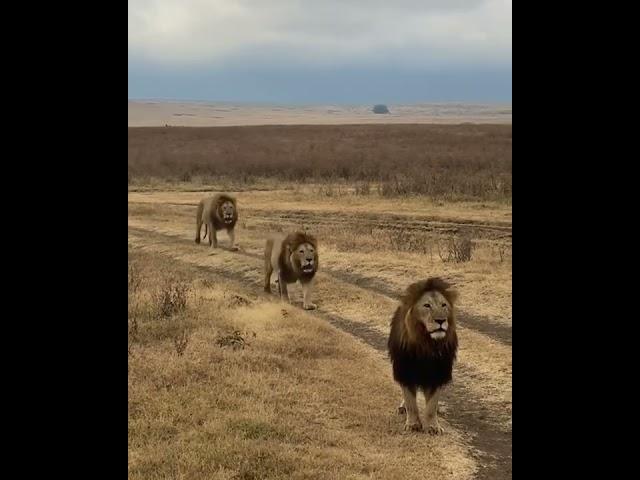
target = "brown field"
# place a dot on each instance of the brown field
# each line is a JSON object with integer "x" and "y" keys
{"x": 449, "y": 162}
{"x": 226, "y": 382}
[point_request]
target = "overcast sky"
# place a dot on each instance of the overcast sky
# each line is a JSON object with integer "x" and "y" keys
{"x": 321, "y": 51}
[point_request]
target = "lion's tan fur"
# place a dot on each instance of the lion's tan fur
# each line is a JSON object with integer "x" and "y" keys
{"x": 278, "y": 257}
{"x": 420, "y": 361}
{"x": 210, "y": 214}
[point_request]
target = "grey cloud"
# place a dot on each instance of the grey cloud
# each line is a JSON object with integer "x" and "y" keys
{"x": 330, "y": 32}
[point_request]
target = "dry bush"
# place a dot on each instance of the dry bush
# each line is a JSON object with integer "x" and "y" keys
{"x": 330, "y": 190}
{"x": 405, "y": 241}
{"x": 503, "y": 251}
{"x": 363, "y": 188}
{"x": 135, "y": 282}
{"x": 457, "y": 249}
{"x": 135, "y": 279}
{"x": 133, "y": 327}
{"x": 463, "y": 182}
{"x": 180, "y": 342}
{"x": 132, "y": 334}
{"x": 171, "y": 298}
{"x": 346, "y": 243}
{"x": 158, "y": 304}
{"x": 234, "y": 300}
{"x": 236, "y": 340}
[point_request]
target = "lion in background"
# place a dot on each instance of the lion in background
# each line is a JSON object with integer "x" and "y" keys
{"x": 422, "y": 347}
{"x": 217, "y": 213}
{"x": 293, "y": 258}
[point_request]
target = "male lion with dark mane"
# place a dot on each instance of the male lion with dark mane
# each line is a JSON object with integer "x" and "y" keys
{"x": 293, "y": 258}
{"x": 217, "y": 213}
{"x": 422, "y": 347}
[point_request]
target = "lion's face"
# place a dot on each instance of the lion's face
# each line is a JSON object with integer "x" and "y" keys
{"x": 434, "y": 312}
{"x": 306, "y": 257}
{"x": 227, "y": 211}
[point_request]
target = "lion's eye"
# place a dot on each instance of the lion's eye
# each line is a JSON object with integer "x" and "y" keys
{"x": 301, "y": 251}
{"x": 427, "y": 305}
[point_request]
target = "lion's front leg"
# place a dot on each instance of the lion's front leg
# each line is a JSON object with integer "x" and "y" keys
{"x": 232, "y": 239}
{"x": 432, "y": 424}
{"x": 306, "y": 297}
{"x": 213, "y": 236}
{"x": 282, "y": 286}
{"x": 268, "y": 270}
{"x": 412, "y": 423}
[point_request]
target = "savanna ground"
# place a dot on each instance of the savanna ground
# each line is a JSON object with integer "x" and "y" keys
{"x": 227, "y": 382}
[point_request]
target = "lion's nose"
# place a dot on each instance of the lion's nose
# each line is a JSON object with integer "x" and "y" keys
{"x": 440, "y": 322}
{"x": 309, "y": 260}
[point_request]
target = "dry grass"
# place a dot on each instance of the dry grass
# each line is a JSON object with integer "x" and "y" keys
{"x": 162, "y": 199}
{"x": 228, "y": 383}
{"x": 234, "y": 385}
{"x": 390, "y": 255}
{"x": 486, "y": 365}
{"x": 459, "y": 250}
{"x": 454, "y": 162}
{"x": 293, "y": 403}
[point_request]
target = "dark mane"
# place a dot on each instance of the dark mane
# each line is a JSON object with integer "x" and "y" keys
{"x": 418, "y": 360}
{"x": 417, "y": 289}
{"x": 218, "y": 200}
{"x": 290, "y": 244}
{"x": 295, "y": 239}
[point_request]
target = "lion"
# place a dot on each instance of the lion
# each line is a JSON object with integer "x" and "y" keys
{"x": 217, "y": 212}
{"x": 422, "y": 347}
{"x": 293, "y": 258}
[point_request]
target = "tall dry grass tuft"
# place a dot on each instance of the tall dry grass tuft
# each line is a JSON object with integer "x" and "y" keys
{"x": 237, "y": 340}
{"x": 457, "y": 249}
{"x": 135, "y": 279}
{"x": 180, "y": 342}
{"x": 171, "y": 298}
{"x": 404, "y": 241}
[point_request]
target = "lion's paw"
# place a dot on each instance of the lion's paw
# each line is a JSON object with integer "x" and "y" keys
{"x": 310, "y": 306}
{"x": 413, "y": 427}
{"x": 435, "y": 429}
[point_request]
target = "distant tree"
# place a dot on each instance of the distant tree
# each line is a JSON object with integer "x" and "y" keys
{"x": 380, "y": 109}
